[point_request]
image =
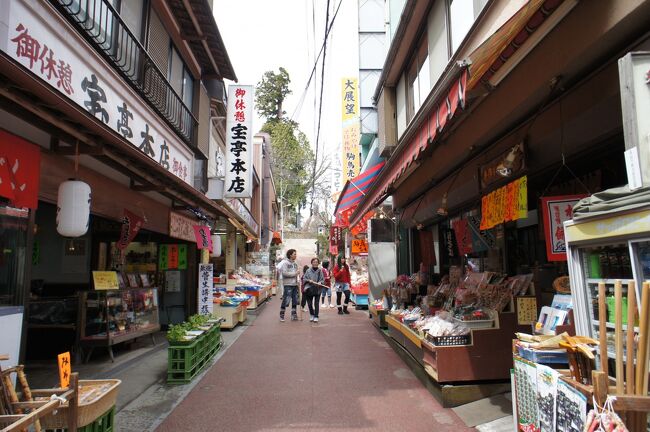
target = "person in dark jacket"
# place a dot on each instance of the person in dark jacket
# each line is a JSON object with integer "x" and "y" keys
{"x": 328, "y": 283}
{"x": 342, "y": 281}
{"x": 312, "y": 290}
{"x": 303, "y": 297}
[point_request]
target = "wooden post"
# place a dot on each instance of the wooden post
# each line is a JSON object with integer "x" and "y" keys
{"x": 642, "y": 353}
{"x": 618, "y": 298}
{"x": 73, "y": 403}
{"x": 602, "y": 327}
{"x": 600, "y": 381}
{"x": 629, "y": 344}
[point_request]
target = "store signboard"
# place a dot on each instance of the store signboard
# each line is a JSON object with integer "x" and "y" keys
{"x": 105, "y": 280}
{"x": 243, "y": 213}
{"x": 359, "y": 247}
{"x": 181, "y": 227}
{"x": 351, "y": 154}
{"x": 634, "y": 78}
{"x": 205, "y": 289}
{"x": 257, "y": 263}
{"x": 59, "y": 56}
{"x": 526, "y": 310}
{"x": 556, "y": 210}
{"x": 239, "y": 142}
{"x": 505, "y": 204}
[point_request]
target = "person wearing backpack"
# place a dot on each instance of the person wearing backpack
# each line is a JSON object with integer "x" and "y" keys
{"x": 328, "y": 283}
{"x": 312, "y": 290}
{"x": 342, "y": 282}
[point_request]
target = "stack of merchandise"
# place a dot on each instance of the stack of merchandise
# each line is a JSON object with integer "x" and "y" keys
{"x": 244, "y": 278}
{"x": 230, "y": 299}
{"x": 443, "y": 330}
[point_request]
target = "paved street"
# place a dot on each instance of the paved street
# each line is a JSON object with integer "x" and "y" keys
{"x": 339, "y": 374}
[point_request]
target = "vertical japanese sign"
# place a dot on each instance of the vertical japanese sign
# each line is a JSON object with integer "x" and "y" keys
{"x": 337, "y": 174}
{"x": 505, "y": 204}
{"x": 351, "y": 154}
{"x": 205, "y": 289}
{"x": 556, "y": 210}
{"x": 65, "y": 369}
{"x": 239, "y": 142}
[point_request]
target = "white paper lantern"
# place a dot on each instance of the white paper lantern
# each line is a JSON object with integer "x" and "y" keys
{"x": 73, "y": 208}
{"x": 216, "y": 245}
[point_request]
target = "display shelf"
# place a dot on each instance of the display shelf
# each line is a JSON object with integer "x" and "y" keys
{"x": 230, "y": 315}
{"x": 114, "y": 316}
{"x": 613, "y": 326}
{"x": 360, "y": 300}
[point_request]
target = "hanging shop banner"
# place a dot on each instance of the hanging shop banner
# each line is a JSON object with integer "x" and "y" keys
{"x": 359, "y": 247}
{"x": 463, "y": 236}
{"x": 482, "y": 240}
{"x": 505, "y": 204}
{"x": 54, "y": 53}
{"x": 336, "y": 235}
{"x": 351, "y": 154}
{"x": 205, "y": 289}
{"x": 362, "y": 225}
{"x": 181, "y": 227}
{"x": 555, "y": 211}
{"x": 337, "y": 175}
{"x": 172, "y": 257}
{"x": 449, "y": 239}
{"x": 334, "y": 250}
{"x": 239, "y": 142}
{"x": 131, "y": 224}
{"x": 203, "y": 237}
{"x": 20, "y": 167}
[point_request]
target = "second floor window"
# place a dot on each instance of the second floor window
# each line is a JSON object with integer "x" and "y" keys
{"x": 462, "y": 14}
{"x": 418, "y": 79}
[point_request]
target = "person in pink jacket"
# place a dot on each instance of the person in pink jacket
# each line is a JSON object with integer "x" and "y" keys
{"x": 342, "y": 281}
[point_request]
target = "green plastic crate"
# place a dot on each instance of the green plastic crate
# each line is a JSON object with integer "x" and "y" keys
{"x": 184, "y": 362}
{"x": 105, "y": 423}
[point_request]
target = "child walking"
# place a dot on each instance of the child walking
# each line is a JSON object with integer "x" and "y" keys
{"x": 328, "y": 282}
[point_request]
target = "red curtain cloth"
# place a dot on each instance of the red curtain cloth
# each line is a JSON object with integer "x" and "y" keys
{"x": 425, "y": 253}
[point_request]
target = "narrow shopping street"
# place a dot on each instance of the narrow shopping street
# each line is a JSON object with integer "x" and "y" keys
{"x": 339, "y": 374}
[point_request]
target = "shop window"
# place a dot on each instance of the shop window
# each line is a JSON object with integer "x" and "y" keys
{"x": 13, "y": 259}
{"x": 418, "y": 79}
{"x": 462, "y": 14}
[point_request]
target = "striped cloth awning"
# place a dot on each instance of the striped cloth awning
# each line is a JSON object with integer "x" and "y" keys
{"x": 353, "y": 192}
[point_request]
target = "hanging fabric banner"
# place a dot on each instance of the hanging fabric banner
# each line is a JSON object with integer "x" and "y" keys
{"x": 555, "y": 211}
{"x": 505, "y": 204}
{"x": 131, "y": 224}
{"x": 20, "y": 168}
{"x": 203, "y": 238}
{"x": 172, "y": 256}
{"x": 463, "y": 237}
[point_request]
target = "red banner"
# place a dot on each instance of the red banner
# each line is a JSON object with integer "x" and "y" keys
{"x": 20, "y": 165}
{"x": 463, "y": 237}
{"x": 336, "y": 235}
{"x": 556, "y": 210}
{"x": 131, "y": 224}
{"x": 362, "y": 226}
{"x": 172, "y": 256}
{"x": 203, "y": 238}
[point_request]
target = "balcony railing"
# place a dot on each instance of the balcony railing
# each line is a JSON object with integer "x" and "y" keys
{"x": 102, "y": 26}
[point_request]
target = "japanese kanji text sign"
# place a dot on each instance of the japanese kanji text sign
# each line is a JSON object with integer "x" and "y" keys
{"x": 239, "y": 142}
{"x": 205, "y": 289}
{"x": 72, "y": 68}
{"x": 556, "y": 210}
{"x": 65, "y": 369}
{"x": 351, "y": 154}
{"x": 505, "y": 204}
{"x": 359, "y": 247}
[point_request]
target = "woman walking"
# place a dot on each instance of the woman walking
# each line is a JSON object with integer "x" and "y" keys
{"x": 303, "y": 297}
{"x": 342, "y": 283}
{"x": 328, "y": 283}
{"x": 312, "y": 290}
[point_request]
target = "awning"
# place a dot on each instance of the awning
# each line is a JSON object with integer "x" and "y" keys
{"x": 484, "y": 62}
{"x": 404, "y": 157}
{"x": 353, "y": 192}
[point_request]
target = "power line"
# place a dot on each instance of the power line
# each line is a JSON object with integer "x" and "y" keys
{"x": 320, "y": 109}
{"x": 313, "y": 70}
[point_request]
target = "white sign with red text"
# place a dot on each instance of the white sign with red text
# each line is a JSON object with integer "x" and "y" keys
{"x": 239, "y": 142}
{"x": 51, "y": 50}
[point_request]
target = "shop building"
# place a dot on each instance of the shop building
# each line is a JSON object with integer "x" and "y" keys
{"x": 522, "y": 98}
{"x": 120, "y": 96}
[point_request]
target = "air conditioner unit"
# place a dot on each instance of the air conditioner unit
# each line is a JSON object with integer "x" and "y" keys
{"x": 380, "y": 231}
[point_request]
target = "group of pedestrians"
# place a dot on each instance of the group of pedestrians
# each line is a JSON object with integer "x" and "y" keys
{"x": 315, "y": 284}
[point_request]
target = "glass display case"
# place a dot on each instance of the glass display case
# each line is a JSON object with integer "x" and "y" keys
{"x": 606, "y": 250}
{"x": 109, "y": 317}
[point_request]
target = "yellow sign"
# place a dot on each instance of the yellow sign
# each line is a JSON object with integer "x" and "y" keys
{"x": 350, "y": 99}
{"x": 65, "y": 369}
{"x": 359, "y": 246}
{"x": 105, "y": 280}
{"x": 623, "y": 224}
{"x": 351, "y": 157}
{"x": 526, "y": 310}
{"x": 507, "y": 203}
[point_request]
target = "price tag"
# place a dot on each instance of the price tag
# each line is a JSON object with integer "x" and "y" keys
{"x": 65, "y": 369}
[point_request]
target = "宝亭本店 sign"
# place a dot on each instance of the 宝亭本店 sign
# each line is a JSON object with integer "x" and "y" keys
{"x": 205, "y": 289}
{"x": 58, "y": 56}
{"x": 556, "y": 210}
{"x": 239, "y": 142}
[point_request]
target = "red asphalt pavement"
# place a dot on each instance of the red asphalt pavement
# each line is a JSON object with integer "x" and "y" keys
{"x": 337, "y": 375}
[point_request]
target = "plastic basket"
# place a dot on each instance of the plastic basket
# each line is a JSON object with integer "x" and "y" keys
{"x": 96, "y": 398}
{"x": 450, "y": 340}
{"x": 476, "y": 324}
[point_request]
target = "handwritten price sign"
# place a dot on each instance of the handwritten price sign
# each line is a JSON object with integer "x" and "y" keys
{"x": 359, "y": 247}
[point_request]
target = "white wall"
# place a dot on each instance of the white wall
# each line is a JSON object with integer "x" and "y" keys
{"x": 400, "y": 100}
{"x": 437, "y": 38}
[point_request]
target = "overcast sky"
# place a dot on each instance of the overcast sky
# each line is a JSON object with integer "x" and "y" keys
{"x": 263, "y": 35}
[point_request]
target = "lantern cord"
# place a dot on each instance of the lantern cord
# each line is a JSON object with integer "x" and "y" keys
{"x": 76, "y": 159}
